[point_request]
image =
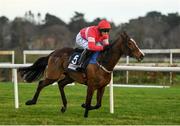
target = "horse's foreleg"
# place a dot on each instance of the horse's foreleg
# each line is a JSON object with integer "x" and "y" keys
{"x": 61, "y": 85}
{"x": 41, "y": 85}
{"x": 90, "y": 92}
{"x": 100, "y": 93}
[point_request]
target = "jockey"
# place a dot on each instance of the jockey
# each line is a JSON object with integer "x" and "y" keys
{"x": 93, "y": 39}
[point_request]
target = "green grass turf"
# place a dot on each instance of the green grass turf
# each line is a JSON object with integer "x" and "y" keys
{"x": 146, "y": 106}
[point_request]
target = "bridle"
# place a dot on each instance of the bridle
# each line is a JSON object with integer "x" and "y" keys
{"x": 128, "y": 51}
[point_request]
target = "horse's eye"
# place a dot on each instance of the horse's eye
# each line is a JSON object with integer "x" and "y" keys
{"x": 130, "y": 44}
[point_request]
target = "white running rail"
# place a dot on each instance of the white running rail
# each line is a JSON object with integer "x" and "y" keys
{"x": 12, "y": 54}
{"x": 34, "y": 52}
{"x": 14, "y": 67}
{"x": 129, "y": 68}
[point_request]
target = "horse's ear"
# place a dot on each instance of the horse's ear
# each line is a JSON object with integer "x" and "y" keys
{"x": 123, "y": 34}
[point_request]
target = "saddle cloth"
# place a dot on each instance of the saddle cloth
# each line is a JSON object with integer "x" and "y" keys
{"x": 75, "y": 57}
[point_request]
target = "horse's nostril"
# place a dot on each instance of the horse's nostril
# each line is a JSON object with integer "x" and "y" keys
{"x": 142, "y": 56}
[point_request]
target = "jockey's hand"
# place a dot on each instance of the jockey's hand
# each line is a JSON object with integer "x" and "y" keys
{"x": 106, "y": 36}
{"x": 106, "y": 47}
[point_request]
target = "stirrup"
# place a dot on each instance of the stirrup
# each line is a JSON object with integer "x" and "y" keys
{"x": 82, "y": 58}
{"x": 79, "y": 69}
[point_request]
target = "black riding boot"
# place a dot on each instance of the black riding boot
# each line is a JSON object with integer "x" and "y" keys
{"x": 82, "y": 61}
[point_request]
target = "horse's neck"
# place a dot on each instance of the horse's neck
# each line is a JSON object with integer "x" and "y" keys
{"x": 112, "y": 56}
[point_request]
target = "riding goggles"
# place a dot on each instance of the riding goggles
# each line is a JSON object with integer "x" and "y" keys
{"x": 104, "y": 30}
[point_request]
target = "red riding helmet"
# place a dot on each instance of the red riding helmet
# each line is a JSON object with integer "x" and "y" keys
{"x": 104, "y": 24}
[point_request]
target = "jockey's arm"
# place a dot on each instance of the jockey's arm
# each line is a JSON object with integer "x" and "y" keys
{"x": 92, "y": 45}
{"x": 105, "y": 40}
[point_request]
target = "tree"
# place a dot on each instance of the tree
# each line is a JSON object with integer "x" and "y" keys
{"x": 3, "y": 20}
{"x": 153, "y": 14}
{"x": 53, "y": 20}
{"x": 173, "y": 19}
{"x": 77, "y": 22}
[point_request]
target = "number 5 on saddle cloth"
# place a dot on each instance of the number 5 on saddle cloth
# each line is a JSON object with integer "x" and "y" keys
{"x": 80, "y": 59}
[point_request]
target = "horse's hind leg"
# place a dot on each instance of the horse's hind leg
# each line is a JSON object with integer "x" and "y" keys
{"x": 41, "y": 85}
{"x": 62, "y": 84}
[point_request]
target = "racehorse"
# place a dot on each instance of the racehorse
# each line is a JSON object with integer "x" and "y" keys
{"x": 96, "y": 77}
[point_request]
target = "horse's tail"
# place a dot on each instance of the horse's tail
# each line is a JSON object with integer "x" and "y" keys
{"x": 34, "y": 72}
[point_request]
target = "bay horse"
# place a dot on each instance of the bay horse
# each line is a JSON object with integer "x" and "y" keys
{"x": 96, "y": 77}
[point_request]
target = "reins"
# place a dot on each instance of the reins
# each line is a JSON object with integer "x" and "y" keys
{"x": 102, "y": 67}
{"x": 99, "y": 63}
{"x": 102, "y": 63}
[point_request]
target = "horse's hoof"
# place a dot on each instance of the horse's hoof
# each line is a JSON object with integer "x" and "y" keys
{"x": 63, "y": 109}
{"x": 83, "y": 105}
{"x": 85, "y": 115}
{"x": 96, "y": 106}
{"x": 30, "y": 102}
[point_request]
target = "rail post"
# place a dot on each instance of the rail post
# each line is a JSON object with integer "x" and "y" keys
{"x": 171, "y": 62}
{"x": 111, "y": 94}
{"x": 127, "y": 72}
{"x": 15, "y": 88}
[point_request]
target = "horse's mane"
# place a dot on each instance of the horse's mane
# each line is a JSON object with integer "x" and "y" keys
{"x": 106, "y": 53}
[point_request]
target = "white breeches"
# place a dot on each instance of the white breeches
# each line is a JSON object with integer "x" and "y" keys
{"x": 83, "y": 43}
